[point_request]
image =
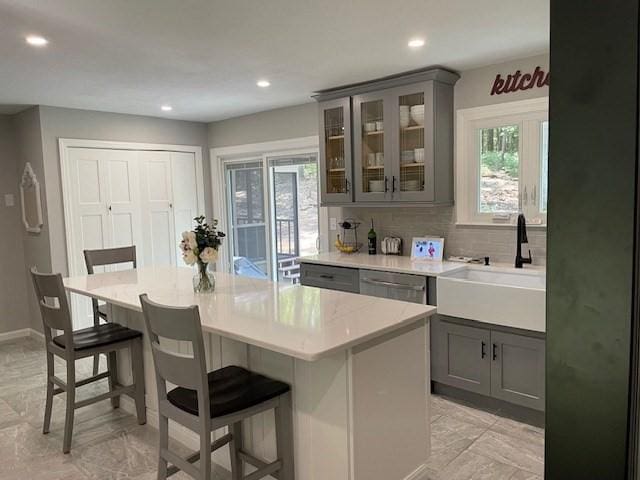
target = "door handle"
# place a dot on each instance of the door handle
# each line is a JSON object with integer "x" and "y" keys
{"x": 483, "y": 352}
{"x": 495, "y": 351}
{"x": 401, "y": 286}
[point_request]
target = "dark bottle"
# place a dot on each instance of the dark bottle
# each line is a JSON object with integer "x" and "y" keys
{"x": 372, "y": 240}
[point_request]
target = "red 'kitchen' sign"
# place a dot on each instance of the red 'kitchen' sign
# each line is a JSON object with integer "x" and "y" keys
{"x": 517, "y": 81}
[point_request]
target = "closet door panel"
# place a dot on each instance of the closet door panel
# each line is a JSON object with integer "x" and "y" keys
{"x": 124, "y": 200}
{"x": 156, "y": 191}
{"x": 185, "y": 194}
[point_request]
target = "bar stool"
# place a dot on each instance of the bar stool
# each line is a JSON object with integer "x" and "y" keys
{"x": 73, "y": 345}
{"x": 228, "y": 396}
{"x": 97, "y": 258}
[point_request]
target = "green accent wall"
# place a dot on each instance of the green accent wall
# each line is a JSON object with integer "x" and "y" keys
{"x": 591, "y": 230}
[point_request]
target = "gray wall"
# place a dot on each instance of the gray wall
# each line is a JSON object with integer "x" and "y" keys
{"x": 70, "y": 123}
{"x": 14, "y": 310}
{"x": 37, "y": 251}
{"x": 279, "y": 124}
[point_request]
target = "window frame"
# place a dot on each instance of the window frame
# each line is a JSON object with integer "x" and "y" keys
{"x": 529, "y": 116}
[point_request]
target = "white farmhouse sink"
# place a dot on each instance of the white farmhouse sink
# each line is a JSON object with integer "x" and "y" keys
{"x": 503, "y": 296}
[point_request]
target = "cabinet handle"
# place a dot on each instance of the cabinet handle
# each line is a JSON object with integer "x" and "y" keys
{"x": 346, "y": 185}
{"x": 483, "y": 352}
{"x": 325, "y": 276}
{"x": 386, "y": 184}
{"x": 171, "y": 205}
{"x": 393, "y": 184}
{"x": 495, "y": 351}
{"x": 109, "y": 207}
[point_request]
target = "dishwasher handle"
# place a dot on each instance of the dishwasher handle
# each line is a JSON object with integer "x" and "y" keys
{"x": 400, "y": 286}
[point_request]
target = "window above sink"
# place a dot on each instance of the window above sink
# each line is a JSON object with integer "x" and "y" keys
{"x": 501, "y": 163}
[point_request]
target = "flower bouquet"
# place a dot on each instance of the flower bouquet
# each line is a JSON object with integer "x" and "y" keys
{"x": 200, "y": 246}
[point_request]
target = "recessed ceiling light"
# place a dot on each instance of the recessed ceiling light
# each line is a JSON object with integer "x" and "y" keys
{"x": 416, "y": 42}
{"x": 166, "y": 108}
{"x": 263, "y": 83}
{"x": 37, "y": 41}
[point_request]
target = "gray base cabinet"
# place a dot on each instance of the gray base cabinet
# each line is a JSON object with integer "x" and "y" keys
{"x": 332, "y": 278}
{"x": 504, "y": 365}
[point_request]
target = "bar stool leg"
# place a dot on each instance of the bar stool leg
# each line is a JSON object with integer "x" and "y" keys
{"x": 138, "y": 379}
{"x": 284, "y": 437}
{"x": 49, "y": 402}
{"x": 71, "y": 399}
{"x": 237, "y": 465}
{"x": 205, "y": 454}
{"x": 112, "y": 366}
{"x": 96, "y": 364}
{"x": 163, "y": 427}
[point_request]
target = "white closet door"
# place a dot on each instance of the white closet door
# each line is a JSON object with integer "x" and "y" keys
{"x": 121, "y": 171}
{"x": 157, "y": 202}
{"x": 185, "y": 194}
{"x": 90, "y": 218}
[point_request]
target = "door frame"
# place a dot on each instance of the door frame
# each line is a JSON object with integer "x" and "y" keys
{"x": 64, "y": 146}
{"x": 238, "y": 153}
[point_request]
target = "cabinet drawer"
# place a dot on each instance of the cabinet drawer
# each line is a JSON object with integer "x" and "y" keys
{"x": 333, "y": 278}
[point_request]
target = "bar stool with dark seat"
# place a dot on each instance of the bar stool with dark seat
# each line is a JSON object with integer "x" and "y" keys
{"x": 204, "y": 402}
{"x": 98, "y": 258}
{"x": 74, "y": 345}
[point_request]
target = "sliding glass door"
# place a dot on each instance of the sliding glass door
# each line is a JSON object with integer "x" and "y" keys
{"x": 272, "y": 210}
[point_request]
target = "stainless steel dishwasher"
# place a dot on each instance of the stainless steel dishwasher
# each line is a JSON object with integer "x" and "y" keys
{"x": 397, "y": 286}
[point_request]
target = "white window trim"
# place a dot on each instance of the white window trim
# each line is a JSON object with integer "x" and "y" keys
{"x": 466, "y": 168}
{"x": 260, "y": 152}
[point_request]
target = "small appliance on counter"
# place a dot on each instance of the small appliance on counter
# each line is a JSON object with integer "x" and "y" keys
{"x": 391, "y": 246}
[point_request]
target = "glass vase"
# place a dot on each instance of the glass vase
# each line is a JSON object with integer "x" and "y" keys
{"x": 203, "y": 280}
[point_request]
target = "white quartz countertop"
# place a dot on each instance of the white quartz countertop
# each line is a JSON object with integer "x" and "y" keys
{"x": 385, "y": 263}
{"x": 304, "y": 322}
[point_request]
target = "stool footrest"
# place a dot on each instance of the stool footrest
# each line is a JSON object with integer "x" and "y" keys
{"x": 263, "y": 467}
{"x": 194, "y": 457}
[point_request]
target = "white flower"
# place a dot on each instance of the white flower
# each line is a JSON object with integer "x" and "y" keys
{"x": 189, "y": 257}
{"x": 209, "y": 255}
{"x": 190, "y": 239}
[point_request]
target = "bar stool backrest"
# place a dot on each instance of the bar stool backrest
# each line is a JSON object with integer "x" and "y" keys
{"x": 54, "y": 307}
{"x": 187, "y": 371}
{"x": 109, "y": 256}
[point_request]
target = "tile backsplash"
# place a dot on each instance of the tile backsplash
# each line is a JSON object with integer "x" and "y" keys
{"x": 499, "y": 243}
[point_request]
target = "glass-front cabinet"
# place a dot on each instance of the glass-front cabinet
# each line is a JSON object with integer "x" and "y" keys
{"x": 412, "y": 177}
{"x": 402, "y": 136}
{"x": 335, "y": 151}
{"x": 372, "y": 128}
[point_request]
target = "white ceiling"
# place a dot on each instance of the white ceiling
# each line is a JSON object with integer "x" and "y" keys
{"x": 204, "y": 57}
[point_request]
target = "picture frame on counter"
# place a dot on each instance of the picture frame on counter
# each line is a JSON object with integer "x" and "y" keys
{"x": 427, "y": 249}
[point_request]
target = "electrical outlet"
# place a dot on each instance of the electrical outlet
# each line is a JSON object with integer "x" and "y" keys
{"x": 333, "y": 224}
{"x": 9, "y": 200}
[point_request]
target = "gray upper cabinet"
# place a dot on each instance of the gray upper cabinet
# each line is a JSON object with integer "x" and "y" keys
{"x": 402, "y": 141}
{"x": 335, "y": 151}
{"x": 517, "y": 369}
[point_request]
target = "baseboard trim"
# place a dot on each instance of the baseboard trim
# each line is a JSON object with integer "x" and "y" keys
{"x": 12, "y": 335}
{"x": 36, "y": 335}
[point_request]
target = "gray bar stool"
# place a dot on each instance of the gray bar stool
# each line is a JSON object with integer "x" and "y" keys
{"x": 98, "y": 258}
{"x": 228, "y": 396}
{"x": 73, "y": 345}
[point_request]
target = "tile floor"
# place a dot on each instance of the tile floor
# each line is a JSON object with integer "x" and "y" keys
{"x": 467, "y": 444}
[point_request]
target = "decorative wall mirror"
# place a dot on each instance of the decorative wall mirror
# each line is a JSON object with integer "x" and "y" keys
{"x": 30, "y": 199}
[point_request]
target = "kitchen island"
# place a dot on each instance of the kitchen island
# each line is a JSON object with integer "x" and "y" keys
{"x": 358, "y": 366}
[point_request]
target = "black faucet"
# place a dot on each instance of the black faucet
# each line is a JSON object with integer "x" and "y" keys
{"x": 521, "y": 238}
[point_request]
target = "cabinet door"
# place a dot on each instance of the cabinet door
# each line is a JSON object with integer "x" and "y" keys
{"x": 336, "y": 164}
{"x": 413, "y": 148}
{"x": 517, "y": 369}
{"x": 372, "y": 126}
{"x": 460, "y": 356}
